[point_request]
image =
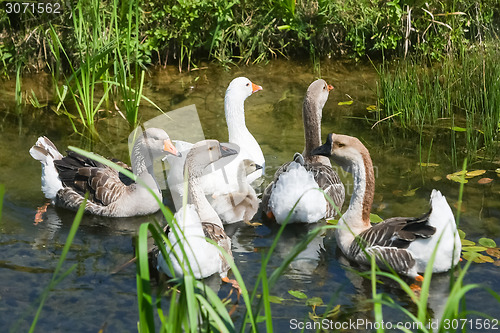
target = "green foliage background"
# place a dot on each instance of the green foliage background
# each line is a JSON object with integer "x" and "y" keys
{"x": 190, "y": 31}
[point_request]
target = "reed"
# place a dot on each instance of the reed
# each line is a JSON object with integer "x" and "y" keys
{"x": 460, "y": 95}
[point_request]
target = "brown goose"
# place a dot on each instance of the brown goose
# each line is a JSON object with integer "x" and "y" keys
{"x": 404, "y": 243}
{"x": 65, "y": 180}
{"x": 306, "y": 172}
{"x": 197, "y": 221}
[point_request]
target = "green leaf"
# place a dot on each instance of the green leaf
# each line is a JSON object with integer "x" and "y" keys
{"x": 276, "y": 299}
{"x": 474, "y": 173}
{"x": 458, "y": 129}
{"x": 466, "y": 242}
{"x": 314, "y": 301}
{"x": 371, "y": 107}
{"x": 410, "y": 193}
{"x": 461, "y": 233}
{"x": 429, "y": 164}
{"x": 374, "y": 218}
{"x": 297, "y": 293}
{"x": 487, "y": 242}
{"x": 474, "y": 248}
{"x": 332, "y": 222}
{"x": 333, "y": 312}
{"x": 346, "y": 103}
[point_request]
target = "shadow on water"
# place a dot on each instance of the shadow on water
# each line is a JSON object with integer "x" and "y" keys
{"x": 30, "y": 252}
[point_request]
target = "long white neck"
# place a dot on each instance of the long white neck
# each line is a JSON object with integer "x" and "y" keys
{"x": 357, "y": 217}
{"x": 234, "y": 107}
{"x": 196, "y": 196}
{"x": 242, "y": 178}
{"x": 142, "y": 166}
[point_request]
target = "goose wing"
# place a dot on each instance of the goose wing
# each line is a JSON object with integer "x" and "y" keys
{"x": 104, "y": 184}
{"x": 389, "y": 241}
{"x": 329, "y": 181}
{"x": 218, "y": 235}
{"x": 266, "y": 195}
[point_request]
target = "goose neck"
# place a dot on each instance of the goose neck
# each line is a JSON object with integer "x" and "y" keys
{"x": 357, "y": 215}
{"x": 196, "y": 197}
{"x": 235, "y": 117}
{"x": 311, "y": 115}
{"x": 142, "y": 166}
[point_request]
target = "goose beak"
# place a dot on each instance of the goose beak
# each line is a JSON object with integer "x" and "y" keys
{"x": 226, "y": 151}
{"x": 323, "y": 150}
{"x": 258, "y": 166}
{"x": 255, "y": 88}
{"x": 169, "y": 147}
{"x": 330, "y": 87}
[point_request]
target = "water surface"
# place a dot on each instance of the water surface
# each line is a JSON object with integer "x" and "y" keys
{"x": 92, "y": 297}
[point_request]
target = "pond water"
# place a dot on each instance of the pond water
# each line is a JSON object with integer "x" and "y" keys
{"x": 92, "y": 297}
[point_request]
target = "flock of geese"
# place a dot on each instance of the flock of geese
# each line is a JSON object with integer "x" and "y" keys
{"x": 218, "y": 181}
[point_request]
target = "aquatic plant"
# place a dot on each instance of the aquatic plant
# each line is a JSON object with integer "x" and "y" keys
{"x": 459, "y": 95}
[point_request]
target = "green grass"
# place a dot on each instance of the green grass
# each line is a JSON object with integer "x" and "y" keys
{"x": 460, "y": 95}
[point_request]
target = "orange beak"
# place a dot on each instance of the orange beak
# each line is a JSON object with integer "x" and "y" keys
{"x": 169, "y": 147}
{"x": 330, "y": 87}
{"x": 255, "y": 88}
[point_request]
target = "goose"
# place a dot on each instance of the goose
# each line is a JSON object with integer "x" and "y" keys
{"x": 404, "y": 243}
{"x": 298, "y": 178}
{"x": 197, "y": 221}
{"x": 223, "y": 179}
{"x": 65, "y": 180}
{"x": 240, "y": 205}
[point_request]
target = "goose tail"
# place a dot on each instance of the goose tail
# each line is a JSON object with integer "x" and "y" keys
{"x": 442, "y": 218}
{"x": 46, "y": 152}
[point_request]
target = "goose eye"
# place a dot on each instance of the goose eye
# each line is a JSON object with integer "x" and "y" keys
{"x": 324, "y": 87}
{"x": 248, "y": 84}
{"x": 340, "y": 145}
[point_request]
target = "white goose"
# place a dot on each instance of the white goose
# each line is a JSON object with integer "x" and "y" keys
{"x": 306, "y": 172}
{"x": 65, "y": 180}
{"x": 404, "y": 243}
{"x": 239, "y": 205}
{"x": 197, "y": 221}
{"x": 223, "y": 180}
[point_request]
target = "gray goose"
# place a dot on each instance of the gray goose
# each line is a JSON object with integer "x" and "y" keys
{"x": 66, "y": 179}
{"x": 197, "y": 221}
{"x": 404, "y": 243}
{"x": 306, "y": 172}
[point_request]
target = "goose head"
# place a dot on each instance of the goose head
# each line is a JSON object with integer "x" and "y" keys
{"x": 204, "y": 153}
{"x": 317, "y": 93}
{"x": 240, "y": 88}
{"x": 250, "y": 166}
{"x": 342, "y": 149}
{"x": 156, "y": 142}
